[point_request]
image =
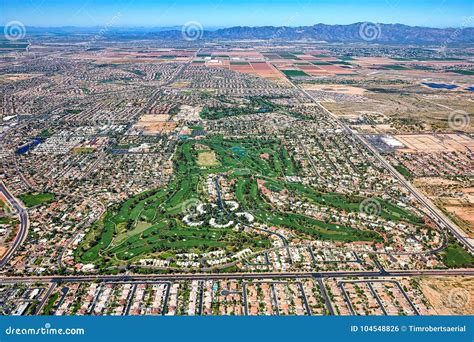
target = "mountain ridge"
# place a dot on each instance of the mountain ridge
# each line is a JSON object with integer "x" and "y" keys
{"x": 377, "y": 33}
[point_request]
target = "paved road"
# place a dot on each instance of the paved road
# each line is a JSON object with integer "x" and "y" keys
{"x": 262, "y": 275}
{"x": 377, "y": 298}
{"x": 24, "y": 224}
{"x": 436, "y": 214}
{"x": 324, "y": 294}
{"x": 45, "y": 297}
{"x": 305, "y": 299}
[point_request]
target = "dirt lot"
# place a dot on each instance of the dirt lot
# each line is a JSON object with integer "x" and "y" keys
{"x": 433, "y": 181}
{"x": 3, "y": 250}
{"x": 16, "y": 77}
{"x": 450, "y": 296}
{"x": 431, "y": 110}
{"x": 154, "y": 124}
{"x": 207, "y": 158}
{"x": 335, "y": 88}
{"x": 460, "y": 207}
{"x": 436, "y": 143}
{"x": 465, "y": 215}
{"x": 262, "y": 69}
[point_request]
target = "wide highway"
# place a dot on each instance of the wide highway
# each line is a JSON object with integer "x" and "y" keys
{"x": 259, "y": 275}
{"x": 24, "y": 224}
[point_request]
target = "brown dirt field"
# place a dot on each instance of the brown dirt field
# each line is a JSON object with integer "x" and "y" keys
{"x": 161, "y": 127}
{"x": 335, "y": 69}
{"x": 154, "y": 124}
{"x": 16, "y": 77}
{"x": 436, "y": 143}
{"x": 128, "y": 60}
{"x": 282, "y": 64}
{"x": 3, "y": 250}
{"x": 239, "y": 53}
{"x": 179, "y": 84}
{"x": 207, "y": 158}
{"x": 461, "y": 207}
{"x": 308, "y": 67}
{"x": 307, "y": 58}
{"x": 429, "y": 110}
{"x": 180, "y": 54}
{"x": 154, "y": 118}
{"x": 378, "y": 129}
{"x": 369, "y": 61}
{"x": 335, "y": 88}
{"x": 450, "y": 295}
{"x": 465, "y": 213}
{"x": 433, "y": 181}
{"x": 261, "y": 69}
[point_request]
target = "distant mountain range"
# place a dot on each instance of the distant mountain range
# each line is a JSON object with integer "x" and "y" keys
{"x": 358, "y": 32}
{"x": 353, "y": 33}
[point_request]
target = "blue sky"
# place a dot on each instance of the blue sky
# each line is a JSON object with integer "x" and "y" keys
{"x": 225, "y": 13}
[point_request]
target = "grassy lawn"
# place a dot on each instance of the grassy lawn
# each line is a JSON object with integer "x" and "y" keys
{"x": 404, "y": 171}
{"x": 463, "y": 72}
{"x": 139, "y": 228}
{"x": 319, "y": 229}
{"x": 389, "y": 211}
{"x": 9, "y": 220}
{"x": 83, "y": 150}
{"x": 456, "y": 256}
{"x": 31, "y": 200}
{"x": 48, "y": 309}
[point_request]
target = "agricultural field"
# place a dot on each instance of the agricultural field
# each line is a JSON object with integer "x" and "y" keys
{"x": 294, "y": 73}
